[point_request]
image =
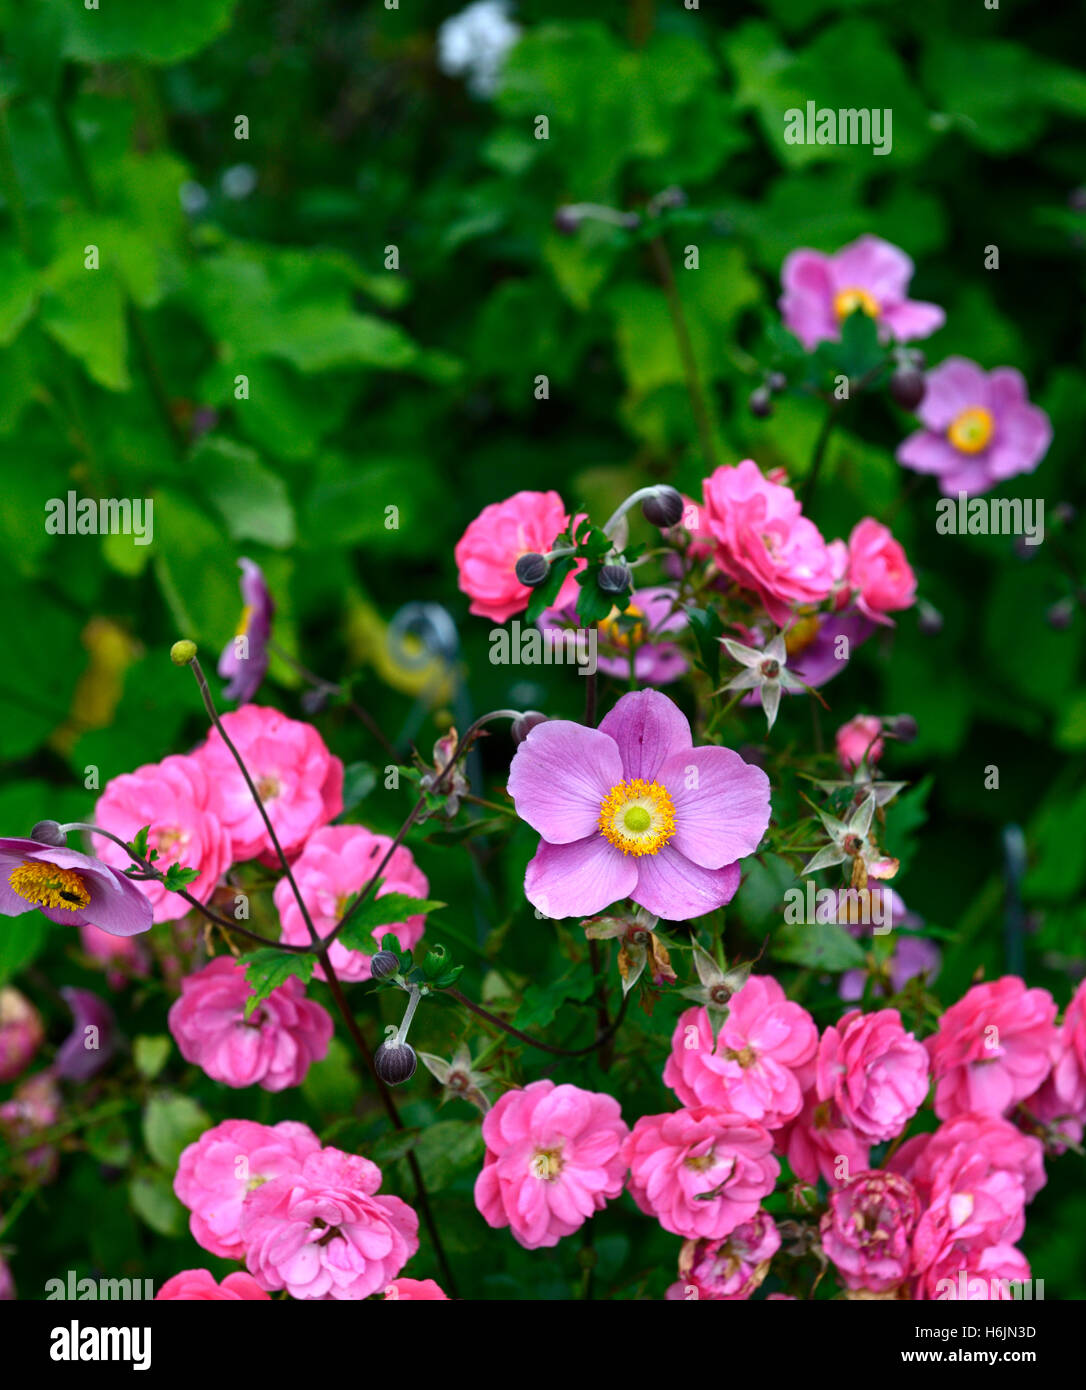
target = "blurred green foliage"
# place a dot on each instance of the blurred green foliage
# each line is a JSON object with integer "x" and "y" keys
{"x": 414, "y": 388}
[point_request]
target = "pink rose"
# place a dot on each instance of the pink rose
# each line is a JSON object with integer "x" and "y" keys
{"x": 180, "y": 803}
{"x": 676, "y": 1160}
{"x": 1004, "y": 1148}
{"x": 416, "y": 1291}
{"x": 764, "y": 542}
{"x": 875, "y": 1072}
{"x": 1061, "y": 1101}
{"x": 728, "y": 1270}
{"x": 217, "y": 1172}
{"x": 859, "y": 740}
{"x": 867, "y": 1229}
{"x": 819, "y": 1144}
{"x": 21, "y": 1033}
{"x": 273, "y": 1048}
{"x": 299, "y": 781}
{"x": 554, "y": 1155}
{"x": 757, "y": 1063}
{"x": 993, "y": 1048}
{"x": 336, "y": 862}
{"x": 322, "y": 1233}
{"x": 878, "y": 572}
{"x": 487, "y": 552}
{"x": 978, "y": 1274}
{"x": 193, "y": 1285}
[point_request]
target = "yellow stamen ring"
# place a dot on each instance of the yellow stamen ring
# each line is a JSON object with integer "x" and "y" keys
{"x": 846, "y": 302}
{"x": 637, "y": 817}
{"x": 971, "y": 430}
{"x": 46, "y": 885}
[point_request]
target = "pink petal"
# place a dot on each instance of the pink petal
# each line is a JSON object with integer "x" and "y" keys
{"x": 913, "y": 319}
{"x": 671, "y": 886}
{"x": 648, "y": 728}
{"x": 579, "y": 879}
{"x": 560, "y": 775}
{"x": 723, "y": 816}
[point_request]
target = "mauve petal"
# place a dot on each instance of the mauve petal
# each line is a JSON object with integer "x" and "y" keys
{"x": 926, "y": 452}
{"x": 672, "y": 887}
{"x": 968, "y": 474}
{"x": 559, "y": 777}
{"x": 870, "y": 263}
{"x": 913, "y": 319}
{"x": 648, "y": 728}
{"x": 577, "y": 880}
{"x": 1022, "y": 437}
{"x": 116, "y": 905}
{"x": 724, "y": 816}
{"x": 807, "y": 303}
{"x": 953, "y": 386}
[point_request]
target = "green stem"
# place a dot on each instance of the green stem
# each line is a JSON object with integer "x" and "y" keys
{"x": 686, "y": 350}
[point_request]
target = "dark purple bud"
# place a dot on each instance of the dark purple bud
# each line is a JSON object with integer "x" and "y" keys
{"x": 532, "y": 569}
{"x": 614, "y": 579}
{"x": 567, "y": 220}
{"x": 776, "y": 381}
{"x": 395, "y": 1062}
{"x": 523, "y": 726}
{"x": 760, "y": 403}
{"x": 907, "y": 386}
{"x": 1076, "y": 199}
{"x": 48, "y": 832}
{"x": 384, "y": 963}
{"x": 1060, "y": 614}
{"x": 903, "y": 728}
{"x": 665, "y": 508}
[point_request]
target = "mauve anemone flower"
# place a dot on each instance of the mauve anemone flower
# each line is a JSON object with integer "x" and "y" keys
{"x": 246, "y": 669}
{"x": 870, "y": 274}
{"x": 633, "y": 810}
{"x": 650, "y": 617}
{"x": 92, "y": 1041}
{"x": 979, "y": 428}
{"x": 70, "y": 888}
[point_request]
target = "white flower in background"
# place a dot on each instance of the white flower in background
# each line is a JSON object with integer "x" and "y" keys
{"x": 764, "y": 670}
{"x": 475, "y": 43}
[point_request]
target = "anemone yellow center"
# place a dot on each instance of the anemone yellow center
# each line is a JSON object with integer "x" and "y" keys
{"x": 637, "y": 817}
{"x": 546, "y": 1164}
{"x": 244, "y": 621}
{"x": 971, "y": 430}
{"x": 616, "y": 636}
{"x": 46, "y": 885}
{"x": 801, "y": 634}
{"x": 846, "y": 302}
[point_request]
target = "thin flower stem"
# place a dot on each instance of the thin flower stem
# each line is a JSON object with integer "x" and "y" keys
{"x": 209, "y": 705}
{"x": 658, "y": 247}
{"x": 819, "y": 454}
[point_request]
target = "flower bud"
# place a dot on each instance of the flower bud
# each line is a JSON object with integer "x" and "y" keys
{"x": 384, "y": 963}
{"x": 532, "y": 569}
{"x": 566, "y": 220}
{"x": 1064, "y": 513}
{"x": 48, "y": 832}
{"x": 776, "y": 381}
{"x": 665, "y": 508}
{"x": 1060, "y": 614}
{"x": 903, "y": 728}
{"x": 929, "y": 620}
{"x": 395, "y": 1062}
{"x": 523, "y": 726}
{"x": 907, "y": 386}
{"x": 615, "y": 579}
{"x": 760, "y": 403}
{"x": 183, "y": 653}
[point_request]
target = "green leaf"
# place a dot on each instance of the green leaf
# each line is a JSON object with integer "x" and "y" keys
{"x": 21, "y": 941}
{"x": 18, "y": 293}
{"x": 332, "y": 1085}
{"x": 170, "y": 1123}
{"x": 150, "y": 1053}
{"x": 447, "y": 1149}
{"x": 267, "y": 968}
{"x": 708, "y": 629}
{"x": 818, "y": 945}
{"x": 85, "y": 313}
{"x": 540, "y": 1002}
{"x": 382, "y": 912}
{"x": 593, "y": 605}
{"x": 152, "y": 1198}
{"x": 133, "y": 28}
{"x": 252, "y": 501}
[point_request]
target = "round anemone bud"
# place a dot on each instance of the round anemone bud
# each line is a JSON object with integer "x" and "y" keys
{"x": 760, "y": 403}
{"x": 566, "y": 220}
{"x": 903, "y": 728}
{"x": 663, "y": 509}
{"x": 395, "y": 1062}
{"x": 183, "y": 653}
{"x": 384, "y": 963}
{"x": 525, "y": 723}
{"x": 48, "y": 832}
{"x": 776, "y": 381}
{"x": 532, "y": 569}
{"x": 615, "y": 579}
{"x": 1076, "y": 199}
{"x": 907, "y": 387}
{"x": 1060, "y": 614}
{"x": 929, "y": 620}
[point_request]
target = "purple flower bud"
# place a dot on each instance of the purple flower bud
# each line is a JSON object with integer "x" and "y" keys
{"x": 760, "y": 403}
{"x": 395, "y": 1062}
{"x": 614, "y": 579}
{"x": 532, "y": 569}
{"x": 907, "y": 386}
{"x": 566, "y": 220}
{"x": 384, "y": 963}
{"x": 665, "y": 508}
{"x": 1061, "y": 614}
{"x": 524, "y": 725}
{"x": 48, "y": 832}
{"x": 903, "y": 728}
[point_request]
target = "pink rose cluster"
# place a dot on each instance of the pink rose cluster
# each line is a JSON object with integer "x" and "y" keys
{"x": 202, "y": 815}
{"x": 305, "y": 1219}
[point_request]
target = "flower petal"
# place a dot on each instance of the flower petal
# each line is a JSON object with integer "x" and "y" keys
{"x": 560, "y": 775}
{"x": 721, "y": 805}
{"x": 576, "y": 880}
{"x": 648, "y": 728}
{"x": 674, "y": 887}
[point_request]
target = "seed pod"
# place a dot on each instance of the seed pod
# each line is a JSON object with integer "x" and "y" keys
{"x": 532, "y": 569}
{"x": 665, "y": 508}
{"x": 384, "y": 963}
{"x": 395, "y": 1063}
